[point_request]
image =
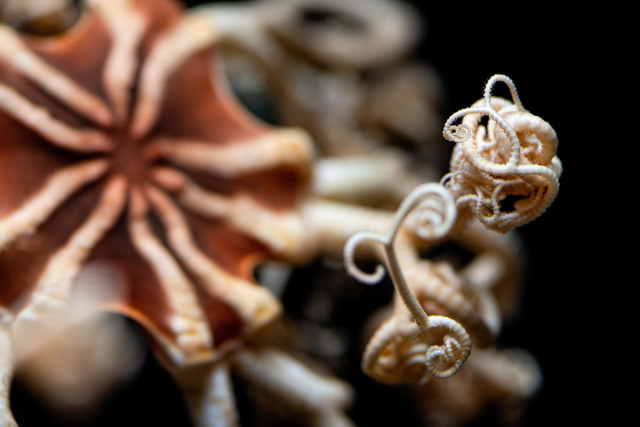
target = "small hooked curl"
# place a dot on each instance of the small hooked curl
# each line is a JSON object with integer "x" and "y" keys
{"x": 432, "y": 220}
{"x": 506, "y": 171}
{"x": 400, "y": 351}
{"x": 434, "y": 216}
{"x": 445, "y": 360}
{"x": 457, "y": 133}
{"x": 433, "y": 213}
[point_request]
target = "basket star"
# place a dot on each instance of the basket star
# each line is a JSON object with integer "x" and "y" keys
{"x": 121, "y": 145}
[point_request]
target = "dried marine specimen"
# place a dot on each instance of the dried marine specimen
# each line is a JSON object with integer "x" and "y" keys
{"x": 513, "y": 155}
{"x": 120, "y": 148}
{"x": 123, "y": 150}
{"x": 441, "y": 361}
{"x": 342, "y": 71}
{"x": 506, "y": 172}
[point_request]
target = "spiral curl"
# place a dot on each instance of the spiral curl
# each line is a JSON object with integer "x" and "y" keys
{"x": 433, "y": 224}
{"x": 456, "y": 133}
{"x": 453, "y": 353}
{"x": 394, "y": 356}
{"x": 511, "y": 159}
{"x": 434, "y": 217}
{"x": 392, "y": 351}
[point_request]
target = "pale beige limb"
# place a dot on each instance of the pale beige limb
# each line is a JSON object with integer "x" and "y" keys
{"x": 364, "y": 179}
{"x": 314, "y": 399}
{"x": 18, "y": 56}
{"x": 281, "y": 231}
{"x": 208, "y": 391}
{"x": 330, "y": 224}
{"x": 433, "y": 214}
{"x": 62, "y": 184}
{"x": 187, "y": 320}
{"x": 286, "y": 147}
{"x": 190, "y": 35}
{"x": 51, "y": 129}
{"x": 127, "y": 27}
{"x": 254, "y": 303}
{"x": 475, "y": 309}
{"x": 54, "y": 284}
{"x": 372, "y": 33}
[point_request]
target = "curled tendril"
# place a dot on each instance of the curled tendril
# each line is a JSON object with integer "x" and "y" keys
{"x": 434, "y": 217}
{"x": 394, "y": 355}
{"x": 433, "y": 213}
{"x": 432, "y": 224}
{"x": 462, "y": 133}
{"x": 479, "y": 161}
{"x": 349, "y": 257}
{"x": 514, "y": 155}
{"x": 457, "y": 133}
{"x": 453, "y": 353}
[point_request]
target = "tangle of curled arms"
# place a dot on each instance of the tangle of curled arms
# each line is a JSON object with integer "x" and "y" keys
{"x": 506, "y": 171}
{"x": 407, "y": 336}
